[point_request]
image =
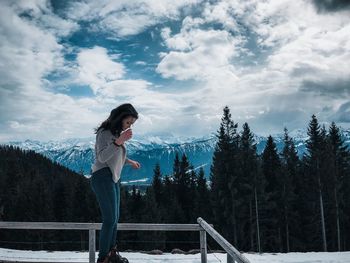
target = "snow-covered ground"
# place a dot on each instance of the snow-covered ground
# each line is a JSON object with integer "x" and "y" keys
{"x": 45, "y": 256}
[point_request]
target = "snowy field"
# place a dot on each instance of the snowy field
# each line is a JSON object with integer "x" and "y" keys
{"x": 44, "y": 256}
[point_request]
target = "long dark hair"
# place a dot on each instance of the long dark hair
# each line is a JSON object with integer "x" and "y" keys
{"x": 117, "y": 115}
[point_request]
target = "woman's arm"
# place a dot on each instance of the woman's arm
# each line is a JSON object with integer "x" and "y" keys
{"x": 127, "y": 160}
{"x": 134, "y": 164}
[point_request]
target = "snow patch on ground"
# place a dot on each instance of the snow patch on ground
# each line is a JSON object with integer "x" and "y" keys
{"x": 65, "y": 256}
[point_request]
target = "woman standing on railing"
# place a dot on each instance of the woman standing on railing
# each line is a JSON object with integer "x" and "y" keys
{"x": 110, "y": 156}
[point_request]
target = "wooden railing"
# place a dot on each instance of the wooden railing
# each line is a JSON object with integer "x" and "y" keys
{"x": 202, "y": 226}
{"x": 233, "y": 255}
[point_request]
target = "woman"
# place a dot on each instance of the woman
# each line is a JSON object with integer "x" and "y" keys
{"x": 110, "y": 156}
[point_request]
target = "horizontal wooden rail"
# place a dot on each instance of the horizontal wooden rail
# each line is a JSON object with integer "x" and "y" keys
{"x": 97, "y": 226}
{"x": 92, "y": 227}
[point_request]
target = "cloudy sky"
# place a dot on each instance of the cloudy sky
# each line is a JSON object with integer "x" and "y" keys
{"x": 64, "y": 65}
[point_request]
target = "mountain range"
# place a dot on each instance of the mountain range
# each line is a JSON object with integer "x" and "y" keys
{"x": 78, "y": 154}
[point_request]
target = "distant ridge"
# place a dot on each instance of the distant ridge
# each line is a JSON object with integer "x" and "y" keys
{"x": 78, "y": 153}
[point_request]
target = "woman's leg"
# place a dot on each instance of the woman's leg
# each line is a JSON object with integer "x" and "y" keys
{"x": 117, "y": 210}
{"x": 104, "y": 188}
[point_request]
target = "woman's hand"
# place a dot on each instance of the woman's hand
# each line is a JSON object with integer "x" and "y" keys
{"x": 134, "y": 164}
{"x": 124, "y": 137}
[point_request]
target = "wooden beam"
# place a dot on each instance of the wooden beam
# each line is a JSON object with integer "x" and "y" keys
{"x": 231, "y": 250}
{"x": 97, "y": 226}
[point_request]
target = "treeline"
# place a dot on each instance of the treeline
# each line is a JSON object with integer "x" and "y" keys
{"x": 273, "y": 202}
{"x": 277, "y": 202}
{"x": 33, "y": 188}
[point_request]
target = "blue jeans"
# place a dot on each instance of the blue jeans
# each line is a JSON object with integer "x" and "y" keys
{"x": 108, "y": 197}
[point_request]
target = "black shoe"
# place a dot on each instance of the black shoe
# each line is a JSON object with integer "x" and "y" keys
{"x": 103, "y": 260}
{"x": 116, "y": 257}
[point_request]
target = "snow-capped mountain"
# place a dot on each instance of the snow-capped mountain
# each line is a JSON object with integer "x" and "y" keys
{"x": 78, "y": 154}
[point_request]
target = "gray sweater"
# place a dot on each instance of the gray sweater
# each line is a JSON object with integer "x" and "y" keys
{"x": 108, "y": 154}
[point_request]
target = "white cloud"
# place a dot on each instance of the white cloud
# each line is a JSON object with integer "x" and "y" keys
{"x": 126, "y": 24}
{"x": 96, "y": 68}
{"x": 199, "y": 54}
{"x": 176, "y": 42}
{"x": 40, "y": 14}
{"x": 295, "y": 44}
{"x": 105, "y": 76}
{"x": 125, "y": 18}
{"x": 107, "y": 79}
{"x": 224, "y": 12}
{"x": 29, "y": 52}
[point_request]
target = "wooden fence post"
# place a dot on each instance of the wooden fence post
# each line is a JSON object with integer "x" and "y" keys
{"x": 92, "y": 245}
{"x": 203, "y": 242}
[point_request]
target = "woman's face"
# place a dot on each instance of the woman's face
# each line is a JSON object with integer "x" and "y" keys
{"x": 127, "y": 122}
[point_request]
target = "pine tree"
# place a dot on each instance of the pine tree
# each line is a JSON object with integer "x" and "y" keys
{"x": 344, "y": 205}
{"x": 157, "y": 185}
{"x": 178, "y": 188}
{"x": 223, "y": 178}
{"x": 202, "y": 196}
{"x": 169, "y": 196}
{"x": 338, "y": 170}
{"x": 136, "y": 205}
{"x": 183, "y": 194}
{"x": 176, "y": 169}
{"x": 314, "y": 158}
{"x": 151, "y": 214}
{"x": 193, "y": 197}
{"x": 173, "y": 212}
{"x": 271, "y": 169}
{"x": 125, "y": 216}
{"x": 260, "y": 205}
{"x": 289, "y": 172}
{"x": 248, "y": 162}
